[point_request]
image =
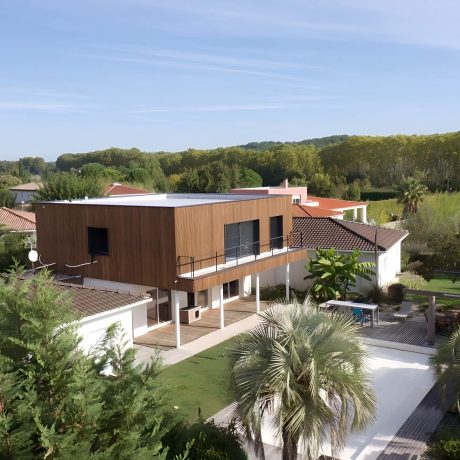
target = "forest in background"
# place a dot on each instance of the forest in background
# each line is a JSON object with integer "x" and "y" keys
{"x": 353, "y": 167}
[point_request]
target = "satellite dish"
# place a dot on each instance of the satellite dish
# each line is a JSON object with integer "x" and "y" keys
{"x": 33, "y": 256}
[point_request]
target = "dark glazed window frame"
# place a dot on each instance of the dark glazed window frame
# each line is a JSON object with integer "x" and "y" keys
{"x": 98, "y": 241}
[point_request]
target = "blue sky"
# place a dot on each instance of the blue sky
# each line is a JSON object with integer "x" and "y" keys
{"x": 171, "y": 74}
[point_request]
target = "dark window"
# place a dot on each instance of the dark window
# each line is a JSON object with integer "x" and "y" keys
{"x": 241, "y": 239}
{"x": 276, "y": 232}
{"x": 98, "y": 241}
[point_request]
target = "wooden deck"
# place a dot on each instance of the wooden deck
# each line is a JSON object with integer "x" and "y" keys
{"x": 164, "y": 337}
{"x": 411, "y": 439}
{"x": 412, "y": 331}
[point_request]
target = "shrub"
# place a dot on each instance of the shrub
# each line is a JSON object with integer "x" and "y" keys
{"x": 210, "y": 442}
{"x": 395, "y": 293}
{"x": 411, "y": 280}
{"x": 278, "y": 292}
{"x": 445, "y": 449}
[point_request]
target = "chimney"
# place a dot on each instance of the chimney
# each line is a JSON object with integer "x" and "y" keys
{"x": 285, "y": 183}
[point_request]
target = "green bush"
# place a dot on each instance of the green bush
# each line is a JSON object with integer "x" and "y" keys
{"x": 210, "y": 442}
{"x": 445, "y": 449}
{"x": 412, "y": 281}
{"x": 278, "y": 292}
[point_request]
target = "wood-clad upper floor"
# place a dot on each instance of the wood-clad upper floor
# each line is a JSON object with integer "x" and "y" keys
{"x": 139, "y": 239}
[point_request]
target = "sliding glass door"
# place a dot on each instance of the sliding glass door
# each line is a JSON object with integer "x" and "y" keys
{"x": 241, "y": 239}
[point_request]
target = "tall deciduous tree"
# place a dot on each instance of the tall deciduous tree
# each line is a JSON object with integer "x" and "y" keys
{"x": 307, "y": 371}
{"x": 68, "y": 186}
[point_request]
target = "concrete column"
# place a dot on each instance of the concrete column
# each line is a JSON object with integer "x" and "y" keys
{"x": 257, "y": 293}
{"x": 176, "y": 307}
{"x": 195, "y": 298}
{"x": 364, "y": 214}
{"x": 431, "y": 315}
{"x": 355, "y": 214}
{"x": 287, "y": 282}
{"x": 221, "y": 305}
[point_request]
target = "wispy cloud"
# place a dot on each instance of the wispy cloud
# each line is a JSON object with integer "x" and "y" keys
{"x": 8, "y": 106}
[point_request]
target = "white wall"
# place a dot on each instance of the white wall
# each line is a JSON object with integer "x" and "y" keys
{"x": 140, "y": 324}
{"x": 115, "y": 285}
{"x": 245, "y": 286}
{"x": 92, "y": 329}
{"x": 389, "y": 265}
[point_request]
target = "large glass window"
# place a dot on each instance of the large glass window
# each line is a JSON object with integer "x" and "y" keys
{"x": 241, "y": 239}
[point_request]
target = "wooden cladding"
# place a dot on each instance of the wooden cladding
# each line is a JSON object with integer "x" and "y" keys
{"x": 145, "y": 242}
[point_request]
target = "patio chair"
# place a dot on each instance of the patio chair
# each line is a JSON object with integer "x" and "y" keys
{"x": 358, "y": 315}
{"x": 405, "y": 310}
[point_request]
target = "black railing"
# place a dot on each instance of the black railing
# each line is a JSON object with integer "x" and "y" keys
{"x": 189, "y": 265}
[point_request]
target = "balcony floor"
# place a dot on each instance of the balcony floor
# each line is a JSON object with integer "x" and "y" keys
{"x": 164, "y": 338}
{"x": 234, "y": 263}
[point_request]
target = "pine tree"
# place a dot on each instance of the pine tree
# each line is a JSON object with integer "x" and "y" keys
{"x": 57, "y": 402}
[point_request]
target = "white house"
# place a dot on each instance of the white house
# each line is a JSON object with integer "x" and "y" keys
{"x": 100, "y": 308}
{"x": 376, "y": 244}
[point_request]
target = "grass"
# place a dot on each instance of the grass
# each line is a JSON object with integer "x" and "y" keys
{"x": 380, "y": 211}
{"x": 199, "y": 383}
{"x": 440, "y": 284}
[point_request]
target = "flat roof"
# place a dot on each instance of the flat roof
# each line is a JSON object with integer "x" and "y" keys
{"x": 168, "y": 200}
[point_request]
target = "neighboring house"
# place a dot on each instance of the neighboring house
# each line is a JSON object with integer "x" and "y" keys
{"x": 312, "y": 206}
{"x": 376, "y": 244}
{"x": 119, "y": 189}
{"x": 25, "y": 192}
{"x": 185, "y": 250}
{"x": 97, "y": 309}
{"x": 17, "y": 221}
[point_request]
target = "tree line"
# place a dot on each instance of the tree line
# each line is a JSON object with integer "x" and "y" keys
{"x": 340, "y": 166}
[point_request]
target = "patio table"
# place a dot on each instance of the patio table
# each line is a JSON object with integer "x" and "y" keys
{"x": 370, "y": 307}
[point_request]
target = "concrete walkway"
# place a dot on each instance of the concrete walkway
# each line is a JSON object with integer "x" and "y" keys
{"x": 173, "y": 356}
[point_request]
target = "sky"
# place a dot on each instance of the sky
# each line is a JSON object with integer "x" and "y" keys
{"x": 169, "y": 75}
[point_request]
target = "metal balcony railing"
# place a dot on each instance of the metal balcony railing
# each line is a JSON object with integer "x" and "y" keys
{"x": 191, "y": 266}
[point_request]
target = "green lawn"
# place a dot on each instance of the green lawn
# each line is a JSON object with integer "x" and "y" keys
{"x": 380, "y": 211}
{"x": 444, "y": 285}
{"x": 440, "y": 285}
{"x": 201, "y": 381}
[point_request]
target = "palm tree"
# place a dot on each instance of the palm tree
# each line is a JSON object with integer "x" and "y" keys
{"x": 307, "y": 370}
{"x": 446, "y": 363}
{"x": 411, "y": 193}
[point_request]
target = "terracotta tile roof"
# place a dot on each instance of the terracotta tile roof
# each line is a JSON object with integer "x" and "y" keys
{"x": 335, "y": 203}
{"x": 89, "y": 301}
{"x": 17, "y": 220}
{"x": 327, "y": 233}
{"x": 301, "y": 210}
{"x": 29, "y": 187}
{"x": 120, "y": 189}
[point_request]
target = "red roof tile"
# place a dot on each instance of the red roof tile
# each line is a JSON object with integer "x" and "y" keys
{"x": 17, "y": 220}
{"x": 325, "y": 233}
{"x": 89, "y": 301}
{"x": 120, "y": 189}
{"x": 335, "y": 203}
{"x": 301, "y": 210}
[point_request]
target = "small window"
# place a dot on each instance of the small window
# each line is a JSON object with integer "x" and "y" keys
{"x": 296, "y": 201}
{"x": 98, "y": 241}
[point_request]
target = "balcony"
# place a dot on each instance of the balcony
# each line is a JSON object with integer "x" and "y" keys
{"x": 191, "y": 267}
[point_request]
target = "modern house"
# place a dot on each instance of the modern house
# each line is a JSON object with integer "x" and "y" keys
{"x": 308, "y": 205}
{"x": 376, "y": 244}
{"x": 189, "y": 252}
{"x": 25, "y": 193}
